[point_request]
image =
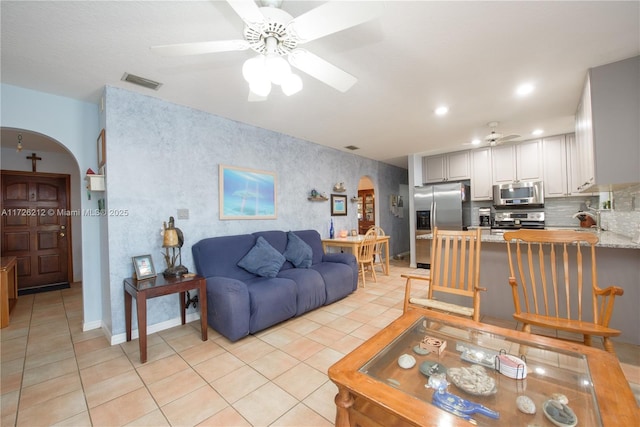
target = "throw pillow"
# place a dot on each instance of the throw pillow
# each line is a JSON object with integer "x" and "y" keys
{"x": 263, "y": 259}
{"x": 298, "y": 252}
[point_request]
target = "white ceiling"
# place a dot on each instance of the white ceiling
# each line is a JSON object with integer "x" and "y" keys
{"x": 416, "y": 56}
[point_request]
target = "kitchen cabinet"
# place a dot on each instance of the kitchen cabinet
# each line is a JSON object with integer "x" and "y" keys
{"x": 607, "y": 127}
{"x": 446, "y": 167}
{"x": 481, "y": 176}
{"x": 517, "y": 162}
{"x": 555, "y": 166}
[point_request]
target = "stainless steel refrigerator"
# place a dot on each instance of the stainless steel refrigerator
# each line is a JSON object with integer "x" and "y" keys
{"x": 445, "y": 206}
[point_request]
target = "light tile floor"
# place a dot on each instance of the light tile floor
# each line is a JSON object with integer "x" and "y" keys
{"x": 55, "y": 374}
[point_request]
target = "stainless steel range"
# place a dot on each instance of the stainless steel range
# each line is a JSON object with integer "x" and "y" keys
{"x": 515, "y": 220}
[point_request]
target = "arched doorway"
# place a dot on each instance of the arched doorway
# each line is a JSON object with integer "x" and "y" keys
{"x": 366, "y": 205}
{"x": 42, "y": 175}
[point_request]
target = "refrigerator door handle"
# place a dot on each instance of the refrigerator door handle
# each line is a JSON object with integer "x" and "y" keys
{"x": 433, "y": 215}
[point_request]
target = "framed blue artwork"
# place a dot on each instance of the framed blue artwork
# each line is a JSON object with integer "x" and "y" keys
{"x": 247, "y": 193}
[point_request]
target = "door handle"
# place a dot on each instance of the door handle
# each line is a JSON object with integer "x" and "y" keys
{"x": 61, "y": 234}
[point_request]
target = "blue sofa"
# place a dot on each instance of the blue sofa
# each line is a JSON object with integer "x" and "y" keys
{"x": 240, "y": 302}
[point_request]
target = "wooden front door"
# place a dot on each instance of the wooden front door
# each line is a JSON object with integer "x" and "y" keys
{"x": 35, "y": 226}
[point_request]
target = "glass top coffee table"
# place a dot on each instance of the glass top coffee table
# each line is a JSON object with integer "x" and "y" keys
{"x": 489, "y": 372}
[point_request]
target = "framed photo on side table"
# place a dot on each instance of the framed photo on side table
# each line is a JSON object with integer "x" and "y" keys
{"x": 143, "y": 265}
{"x": 338, "y": 205}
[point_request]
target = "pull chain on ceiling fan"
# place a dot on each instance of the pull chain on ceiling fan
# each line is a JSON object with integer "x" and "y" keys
{"x": 274, "y": 34}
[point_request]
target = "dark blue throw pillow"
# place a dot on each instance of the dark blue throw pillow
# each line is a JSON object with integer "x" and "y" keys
{"x": 263, "y": 259}
{"x": 298, "y": 252}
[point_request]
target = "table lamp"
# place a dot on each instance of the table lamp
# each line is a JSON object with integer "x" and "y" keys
{"x": 173, "y": 239}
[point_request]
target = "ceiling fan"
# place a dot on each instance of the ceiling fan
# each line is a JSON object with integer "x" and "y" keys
{"x": 495, "y": 138}
{"x": 274, "y": 34}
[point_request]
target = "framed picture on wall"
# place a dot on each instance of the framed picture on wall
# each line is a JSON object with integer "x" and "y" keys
{"x": 338, "y": 205}
{"x": 102, "y": 149}
{"x": 247, "y": 193}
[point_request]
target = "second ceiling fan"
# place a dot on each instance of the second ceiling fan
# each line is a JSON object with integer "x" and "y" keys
{"x": 274, "y": 35}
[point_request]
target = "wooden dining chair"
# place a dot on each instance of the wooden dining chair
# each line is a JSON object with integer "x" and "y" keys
{"x": 366, "y": 255}
{"x": 553, "y": 280}
{"x": 378, "y": 251}
{"x": 454, "y": 275}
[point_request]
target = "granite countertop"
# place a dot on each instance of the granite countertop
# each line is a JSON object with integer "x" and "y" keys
{"x": 608, "y": 239}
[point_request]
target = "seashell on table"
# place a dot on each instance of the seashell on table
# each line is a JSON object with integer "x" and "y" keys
{"x": 406, "y": 361}
{"x": 525, "y": 404}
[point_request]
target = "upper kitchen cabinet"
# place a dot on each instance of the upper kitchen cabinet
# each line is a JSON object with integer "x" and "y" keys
{"x": 517, "y": 162}
{"x": 560, "y": 166}
{"x": 446, "y": 167}
{"x": 607, "y": 127}
{"x": 481, "y": 176}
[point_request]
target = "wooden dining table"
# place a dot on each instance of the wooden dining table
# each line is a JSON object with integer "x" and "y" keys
{"x": 352, "y": 243}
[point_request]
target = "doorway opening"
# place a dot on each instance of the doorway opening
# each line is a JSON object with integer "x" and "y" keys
{"x": 366, "y": 205}
{"x": 44, "y": 234}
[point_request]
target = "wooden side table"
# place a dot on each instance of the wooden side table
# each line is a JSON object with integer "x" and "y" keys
{"x": 8, "y": 288}
{"x": 159, "y": 286}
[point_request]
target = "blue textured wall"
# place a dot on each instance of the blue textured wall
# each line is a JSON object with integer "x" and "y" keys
{"x": 162, "y": 157}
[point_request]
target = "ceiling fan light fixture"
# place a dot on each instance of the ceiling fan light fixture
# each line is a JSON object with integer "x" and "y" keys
{"x": 261, "y": 87}
{"x": 254, "y": 68}
{"x": 277, "y": 68}
{"x": 292, "y": 84}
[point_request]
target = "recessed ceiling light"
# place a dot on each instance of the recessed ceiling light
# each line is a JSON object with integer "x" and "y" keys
{"x": 537, "y": 132}
{"x": 441, "y": 111}
{"x": 476, "y": 142}
{"x": 525, "y": 89}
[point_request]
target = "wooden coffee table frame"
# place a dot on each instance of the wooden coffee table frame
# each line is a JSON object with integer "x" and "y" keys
{"x": 362, "y": 400}
{"x": 142, "y": 290}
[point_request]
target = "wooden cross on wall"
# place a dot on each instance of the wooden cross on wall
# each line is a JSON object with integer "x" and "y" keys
{"x": 34, "y": 159}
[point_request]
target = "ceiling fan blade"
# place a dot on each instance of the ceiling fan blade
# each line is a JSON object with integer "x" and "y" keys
{"x": 200, "y": 47}
{"x": 332, "y": 17}
{"x": 248, "y": 11}
{"x": 321, "y": 70}
{"x": 508, "y": 137}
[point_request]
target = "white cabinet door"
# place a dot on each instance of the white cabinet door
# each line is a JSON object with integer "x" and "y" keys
{"x": 447, "y": 167}
{"x": 555, "y": 163}
{"x": 481, "y": 177}
{"x": 458, "y": 166}
{"x": 517, "y": 162}
{"x": 504, "y": 164}
{"x": 584, "y": 141}
{"x": 529, "y": 161}
{"x": 435, "y": 168}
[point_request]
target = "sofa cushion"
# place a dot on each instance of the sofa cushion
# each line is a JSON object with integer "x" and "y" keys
{"x": 262, "y": 259}
{"x": 298, "y": 252}
{"x": 272, "y": 300}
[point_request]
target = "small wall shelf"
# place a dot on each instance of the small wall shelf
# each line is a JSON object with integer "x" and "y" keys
{"x": 317, "y": 198}
{"x": 95, "y": 182}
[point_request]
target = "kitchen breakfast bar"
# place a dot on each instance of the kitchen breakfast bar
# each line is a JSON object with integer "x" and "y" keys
{"x": 618, "y": 263}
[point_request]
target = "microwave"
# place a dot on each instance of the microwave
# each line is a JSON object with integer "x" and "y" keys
{"x": 524, "y": 193}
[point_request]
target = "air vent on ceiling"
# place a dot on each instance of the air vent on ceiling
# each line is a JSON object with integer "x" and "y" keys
{"x": 141, "y": 81}
{"x": 352, "y": 147}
